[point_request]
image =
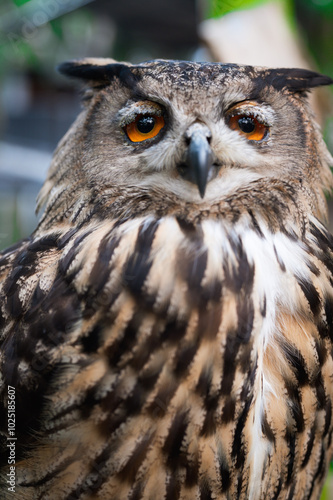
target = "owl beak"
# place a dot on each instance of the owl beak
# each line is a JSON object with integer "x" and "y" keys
{"x": 199, "y": 159}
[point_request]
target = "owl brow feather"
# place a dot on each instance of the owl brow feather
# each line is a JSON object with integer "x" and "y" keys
{"x": 296, "y": 80}
{"x": 96, "y": 73}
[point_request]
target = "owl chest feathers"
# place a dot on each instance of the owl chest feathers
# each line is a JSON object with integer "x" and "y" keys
{"x": 208, "y": 346}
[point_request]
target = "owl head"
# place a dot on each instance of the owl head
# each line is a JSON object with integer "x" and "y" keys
{"x": 197, "y": 132}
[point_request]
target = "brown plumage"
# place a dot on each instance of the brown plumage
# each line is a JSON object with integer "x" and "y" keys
{"x": 168, "y": 327}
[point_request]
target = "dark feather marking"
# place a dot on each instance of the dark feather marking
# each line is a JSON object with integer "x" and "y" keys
{"x": 188, "y": 228}
{"x": 66, "y": 260}
{"x": 326, "y": 258}
{"x": 14, "y": 304}
{"x": 279, "y": 260}
{"x": 238, "y": 450}
{"x": 10, "y": 353}
{"x": 193, "y": 270}
{"x": 210, "y": 421}
{"x": 204, "y": 383}
{"x": 62, "y": 310}
{"x": 184, "y": 358}
{"x": 111, "y": 401}
{"x": 192, "y": 467}
{"x": 113, "y": 421}
{"x": 311, "y": 295}
{"x": 322, "y": 236}
{"x": 329, "y": 316}
{"x": 103, "y": 300}
{"x": 91, "y": 341}
{"x": 297, "y": 363}
{"x": 294, "y": 404}
{"x": 224, "y": 472}
{"x": 10, "y": 285}
{"x": 320, "y": 391}
{"x": 172, "y": 488}
{"x": 229, "y": 365}
{"x": 309, "y": 446}
{"x": 244, "y": 357}
{"x": 255, "y": 224}
{"x": 211, "y": 292}
{"x": 278, "y": 490}
{"x": 49, "y": 475}
{"x": 228, "y": 411}
{"x": 209, "y": 321}
{"x": 239, "y": 483}
{"x": 144, "y": 350}
{"x": 240, "y": 278}
{"x": 192, "y": 265}
{"x": 46, "y": 243}
{"x": 291, "y": 441}
{"x": 267, "y": 430}
{"x": 37, "y": 297}
{"x": 263, "y": 307}
{"x": 2, "y": 319}
{"x": 328, "y": 416}
{"x": 205, "y": 491}
{"x": 321, "y": 351}
{"x": 313, "y": 268}
{"x": 149, "y": 376}
{"x": 130, "y": 469}
{"x": 27, "y": 258}
{"x": 173, "y": 331}
{"x": 64, "y": 239}
{"x": 126, "y": 342}
{"x": 173, "y": 442}
{"x": 139, "y": 264}
{"x": 101, "y": 270}
{"x": 320, "y": 470}
{"x": 159, "y": 405}
{"x": 292, "y": 492}
{"x": 95, "y": 479}
{"x": 136, "y": 400}
{"x": 67, "y": 313}
{"x": 137, "y": 492}
{"x": 245, "y": 316}
{"x": 87, "y": 405}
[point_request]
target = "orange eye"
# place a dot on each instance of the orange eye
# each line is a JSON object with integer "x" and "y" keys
{"x": 144, "y": 127}
{"x": 248, "y": 126}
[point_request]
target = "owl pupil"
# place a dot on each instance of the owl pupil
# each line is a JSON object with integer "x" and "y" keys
{"x": 246, "y": 124}
{"x": 145, "y": 124}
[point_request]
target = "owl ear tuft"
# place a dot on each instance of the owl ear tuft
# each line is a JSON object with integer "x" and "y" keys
{"x": 98, "y": 71}
{"x": 297, "y": 80}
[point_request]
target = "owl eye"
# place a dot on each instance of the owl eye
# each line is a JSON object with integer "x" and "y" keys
{"x": 249, "y": 127}
{"x": 144, "y": 127}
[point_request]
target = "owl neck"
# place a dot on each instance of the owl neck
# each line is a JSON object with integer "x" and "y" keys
{"x": 281, "y": 206}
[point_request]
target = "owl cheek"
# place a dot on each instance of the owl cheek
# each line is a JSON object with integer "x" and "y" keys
{"x": 236, "y": 151}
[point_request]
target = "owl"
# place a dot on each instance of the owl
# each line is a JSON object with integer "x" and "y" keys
{"x": 167, "y": 330}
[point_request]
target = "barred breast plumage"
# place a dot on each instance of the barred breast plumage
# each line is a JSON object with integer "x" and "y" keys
{"x": 168, "y": 327}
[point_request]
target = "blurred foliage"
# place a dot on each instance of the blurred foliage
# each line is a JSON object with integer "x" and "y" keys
{"x": 219, "y": 8}
{"x": 316, "y": 21}
{"x": 37, "y": 35}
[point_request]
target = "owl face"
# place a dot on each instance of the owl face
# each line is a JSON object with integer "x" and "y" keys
{"x": 201, "y": 131}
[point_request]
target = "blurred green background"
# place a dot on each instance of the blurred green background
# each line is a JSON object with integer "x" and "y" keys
{"x": 37, "y": 105}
